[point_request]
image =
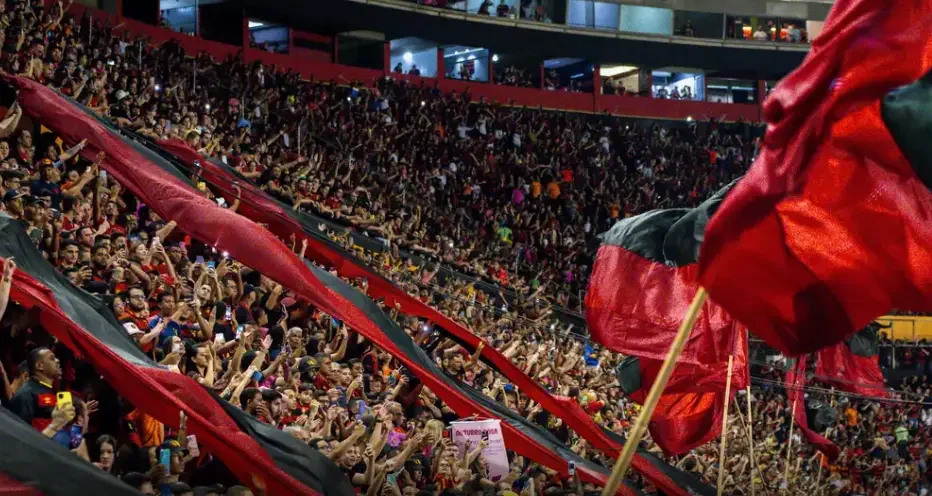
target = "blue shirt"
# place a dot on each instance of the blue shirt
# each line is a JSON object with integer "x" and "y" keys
{"x": 171, "y": 329}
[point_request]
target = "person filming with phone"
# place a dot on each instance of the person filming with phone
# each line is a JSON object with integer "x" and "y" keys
{"x": 35, "y": 401}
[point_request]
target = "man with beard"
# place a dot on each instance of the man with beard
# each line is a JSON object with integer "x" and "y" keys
{"x": 271, "y": 410}
{"x": 13, "y": 203}
{"x": 100, "y": 263}
{"x": 35, "y": 401}
{"x": 250, "y": 399}
{"x": 135, "y": 319}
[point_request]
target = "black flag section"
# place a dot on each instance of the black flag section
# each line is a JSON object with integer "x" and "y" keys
{"x": 42, "y": 464}
{"x": 907, "y": 112}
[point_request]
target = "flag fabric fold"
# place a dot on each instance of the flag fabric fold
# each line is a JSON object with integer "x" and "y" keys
{"x": 643, "y": 281}
{"x": 831, "y": 225}
{"x": 34, "y": 464}
{"x": 691, "y": 410}
{"x": 853, "y": 365}
{"x": 86, "y": 326}
{"x": 795, "y": 384}
{"x": 169, "y": 193}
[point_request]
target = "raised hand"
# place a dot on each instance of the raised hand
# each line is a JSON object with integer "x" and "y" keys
{"x": 9, "y": 268}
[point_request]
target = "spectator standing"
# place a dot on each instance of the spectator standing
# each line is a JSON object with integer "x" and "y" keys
{"x": 35, "y": 401}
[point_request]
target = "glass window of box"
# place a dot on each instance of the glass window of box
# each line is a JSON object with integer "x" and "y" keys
{"x": 466, "y": 63}
{"x": 648, "y": 20}
{"x": 413, "y": 56}
{"x": 591, "y": 14}
{"x": 624, "y": 80}
{"x": 678, "y": 85}
{"x": 731, "y": 90}
{"x": 179, "y": 16}
{"x": 568, "y": 74}
{"x": 787, "y": 30}
{"x": 516, "y": 70}
{"x": 698, "y": 24}
{"x": 269, "y": 37}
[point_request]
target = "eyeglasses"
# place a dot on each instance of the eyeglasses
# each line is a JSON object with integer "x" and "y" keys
{"x": 137, "y": 297}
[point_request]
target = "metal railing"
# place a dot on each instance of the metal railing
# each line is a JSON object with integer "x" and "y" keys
{"x": 452, "y": 13}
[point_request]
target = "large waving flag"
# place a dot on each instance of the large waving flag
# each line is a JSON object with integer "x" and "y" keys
{"x": 31, "y": 463}
{"x": 644, "y": 278}
{"x": 832, "y": 225}
{"x": 284, "y": 221}
{"x": 87, "y": 326}
{"x": 167, "y": 191}
{"x": 853, "y": 365}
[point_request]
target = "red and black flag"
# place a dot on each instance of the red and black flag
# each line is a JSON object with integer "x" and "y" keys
{"x": 795, "y": 395}
{"x": 643, "y": 281}
{"x": 88, "y": 327}
{"x": 853, "y": 365}
{"x": 31, "y": 463}
{"x": 170, "y": 193}
{"x": 832, "y": 225}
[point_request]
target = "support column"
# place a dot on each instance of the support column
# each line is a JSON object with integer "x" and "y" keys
{"x": 387, "y": 58}
{"x": 441, "y": 68}
{"x": 596, "y": 86}
{"x": 245, "y": 33}
{"x": 491, "y": 68}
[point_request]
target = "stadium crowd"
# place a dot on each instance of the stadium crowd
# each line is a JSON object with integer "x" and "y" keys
{"x": 513, "y": 195}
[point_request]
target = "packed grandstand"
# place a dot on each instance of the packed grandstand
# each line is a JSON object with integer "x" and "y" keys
{"x": 220, "y": 278}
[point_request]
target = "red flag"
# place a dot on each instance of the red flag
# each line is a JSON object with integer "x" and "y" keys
{"x": 689, "y": 414}
{"x": 831, "y": 227}
{"x": 853, "y": 365}
{"x": 795, "y": 382}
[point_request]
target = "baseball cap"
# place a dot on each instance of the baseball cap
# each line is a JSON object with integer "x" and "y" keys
{"x": 415, "y": 463}
{"x": 12, "y": 174}
{"x": 173, "y": 446}
{"x": 12, "y": 195}
{"x": 121, "y": 94}
{"x": 306, "y": 364}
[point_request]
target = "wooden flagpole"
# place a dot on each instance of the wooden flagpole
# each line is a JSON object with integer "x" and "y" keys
{"x": 721, "y": 448}
{"x": 647, "y": 410}
{"x": 750, "y": 427}
{"x": 789, "y": 444}
{"x": 818, "y": 478}
{"x": 754, "y": 467}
